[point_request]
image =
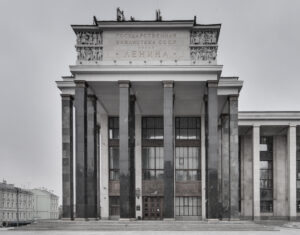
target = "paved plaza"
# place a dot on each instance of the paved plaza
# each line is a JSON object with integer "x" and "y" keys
{"x": 156, "y": 227}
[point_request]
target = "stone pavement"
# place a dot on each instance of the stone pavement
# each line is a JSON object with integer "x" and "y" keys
{"x": 156, "y": 227}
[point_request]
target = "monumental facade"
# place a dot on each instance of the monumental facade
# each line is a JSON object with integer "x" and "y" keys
{"x": 151, "y": 130}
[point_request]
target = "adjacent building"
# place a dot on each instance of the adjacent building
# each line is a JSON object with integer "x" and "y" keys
{"x": 21, "y": 206}
{"x": 16, "y": 204}
{"x": 158, "y": 132}
{"x": 45, "y": 204}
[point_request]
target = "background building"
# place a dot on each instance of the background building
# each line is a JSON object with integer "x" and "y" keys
{"x": 45, "y": 204}
{"x": 16, "y": 204}
{"x": 159, "y": 134}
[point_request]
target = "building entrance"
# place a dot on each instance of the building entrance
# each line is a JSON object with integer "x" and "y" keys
{"x": 152, "y": 208}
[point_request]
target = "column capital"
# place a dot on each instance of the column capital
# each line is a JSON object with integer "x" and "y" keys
{"x": 92, "y": 96}
{"x": 212, "y": 83}
{"x": 255, "y": 125}
{"x": 66, "y": 96}
{"x": 124, "y": 83}
{"x": 233, "y": 97}
{"x": 292, "y": 125}
{"x": 168, "y": 83}
{"x": 81, "y": 83}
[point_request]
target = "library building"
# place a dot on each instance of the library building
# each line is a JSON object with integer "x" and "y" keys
{"x": 151, "y": 130}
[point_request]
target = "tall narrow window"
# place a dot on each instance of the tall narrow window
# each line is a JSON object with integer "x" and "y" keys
{"x": 188, "y": 206}
{"x": 114, "y": 159}
{"x": 187, "y": 163}
{"x": 266, "y": 174}
{"x": 114, "y": 206}
{"x": 114, "y": 163}
{"x": 152, "y": 150}
{"x": 113, "y": 124}
{"x": 187, "y": 151}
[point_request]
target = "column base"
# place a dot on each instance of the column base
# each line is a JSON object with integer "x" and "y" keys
{"x": 168, "y": 219}
{"x": 127, "y": 219}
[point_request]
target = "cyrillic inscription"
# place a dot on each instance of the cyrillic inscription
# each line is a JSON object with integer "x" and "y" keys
{"x": 146, "y": 45}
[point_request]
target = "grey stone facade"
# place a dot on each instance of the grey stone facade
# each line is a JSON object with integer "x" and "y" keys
{"x": 170, "y": 102}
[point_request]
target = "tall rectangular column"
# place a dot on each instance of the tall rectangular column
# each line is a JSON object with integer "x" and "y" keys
{"x": 234, "y": 157}
{"x": 138, "y": 166}
{"x": 225, "y": 167}
{"x": 292, "y": 151}
{"x": 256, "y": 171}
{"x": 81, "y": 147}
{"x": 203, "y": 168}
{"x": 168, "y": 149}
{"x": 104, "y": 164}
{"x": 125, "y": 186}
{"x": 131, "y": 155}
{"x": 91, "y": 166}
{"x": 213, "y": 207}
{"x": 67, "y": 157}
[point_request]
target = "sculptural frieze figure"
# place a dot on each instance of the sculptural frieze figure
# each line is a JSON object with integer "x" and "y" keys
{"x": 203, "y": 37}
{"x": 120, "y": 15}
{"x": 89, "y": 53}
{"x": 204, "y": 53}
{"x": 89, "y": 38}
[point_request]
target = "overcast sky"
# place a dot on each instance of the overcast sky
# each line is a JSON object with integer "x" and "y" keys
{"x": 259, "y": 42}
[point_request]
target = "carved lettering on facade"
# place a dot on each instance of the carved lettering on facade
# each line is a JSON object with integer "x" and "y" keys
{"x": 135, "y": 45}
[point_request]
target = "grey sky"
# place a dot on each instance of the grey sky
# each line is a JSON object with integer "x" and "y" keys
{"x": 259, "y": 42}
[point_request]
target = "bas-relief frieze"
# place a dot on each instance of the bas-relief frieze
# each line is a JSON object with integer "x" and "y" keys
{"x": 204, "y": 45}
{"x": 204, "y": 37}
{"x": 89, "y": 46}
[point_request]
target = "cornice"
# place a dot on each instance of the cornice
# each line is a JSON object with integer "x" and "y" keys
{"x": 114, "y": 69}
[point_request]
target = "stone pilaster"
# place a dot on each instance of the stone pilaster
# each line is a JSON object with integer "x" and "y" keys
{"x": 138, "y": 165}
{"x": 131, "y": 124}
{"x": 213, "y": 207}
{"x": 225, "y": 167}
{"x": 168, "y": 149}
{"x": 81, "y": 147}
{"x": 67, "y": 157}
{"x": 91, "y": 166}
{"x": 256, "y": 171}
{"x": 104, "y": 164}
{"x": 203, "y": 168}
{"x": 234, "y": 157}
{"x": 292, "y": 151}
{"x": 125, "y": 204}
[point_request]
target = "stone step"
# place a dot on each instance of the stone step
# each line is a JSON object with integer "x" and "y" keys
{"x": 148, "y": 226}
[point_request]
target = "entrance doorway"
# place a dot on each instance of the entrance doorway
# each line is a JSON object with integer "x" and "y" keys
{"x": 152, "y": 208}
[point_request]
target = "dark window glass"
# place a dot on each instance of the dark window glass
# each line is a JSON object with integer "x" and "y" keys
{"x": 153, "y": 128}
{"x": 266, "y": 174}
{"x": 187, "y": 163}
{"x": 153, "y": 162}
{"x": 113, "y": 127}
{"x": 114, "y": 206}
{"x": 114, "y": 163}
{"x": 188, "y": 206}
{"x": 187, "y": 128}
